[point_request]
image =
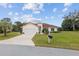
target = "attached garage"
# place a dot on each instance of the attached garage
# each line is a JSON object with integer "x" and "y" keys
{"x": 30, "y": 28}
{"x": 33, "y": 28}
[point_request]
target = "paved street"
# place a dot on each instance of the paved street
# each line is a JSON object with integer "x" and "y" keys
{"x": 19, "y": 50}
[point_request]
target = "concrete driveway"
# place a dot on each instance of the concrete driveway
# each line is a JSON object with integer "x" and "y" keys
{"x": 24, "y": 39}
{"x": 19, "y": 50}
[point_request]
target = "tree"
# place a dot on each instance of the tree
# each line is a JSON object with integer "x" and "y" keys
{"x": 8, "y": 20}
{"x": 5, "y": 24}
{"x": 67, "y": 25}
{"x": 70, "y": 21}
{"x": 74, "y": 16}
{"x": 19, "y": 25}
{"x": 15, "y": 28}
{"x": 77, "y": 25}
{"x": 1, "y": 30}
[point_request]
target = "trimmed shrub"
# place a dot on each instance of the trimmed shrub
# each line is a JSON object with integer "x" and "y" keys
{"x": 1, "y": 31}
{"x": 56, "y": 31}
{"x": 45, "y": 31}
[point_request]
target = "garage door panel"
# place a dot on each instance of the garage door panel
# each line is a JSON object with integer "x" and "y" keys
{"x": 30, "y": 28}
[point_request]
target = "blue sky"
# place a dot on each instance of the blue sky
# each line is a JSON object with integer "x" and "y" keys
{"x": 51, "y": 13}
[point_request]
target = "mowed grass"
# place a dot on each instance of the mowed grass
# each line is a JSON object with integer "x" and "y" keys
{"x": 68, "y": 39}
{"x": 9, "y": 35}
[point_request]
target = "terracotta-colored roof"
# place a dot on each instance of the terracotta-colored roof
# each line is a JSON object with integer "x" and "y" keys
{"x": 44, "y": 25}
{"x": 48, "y": 25}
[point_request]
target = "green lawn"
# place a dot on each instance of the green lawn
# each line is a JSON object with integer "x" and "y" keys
{"x": 9, "y": 35}
{"x": 66, "y": 39}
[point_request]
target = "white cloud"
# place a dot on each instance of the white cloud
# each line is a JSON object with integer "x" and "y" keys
{"x": 29, "y": 18}
{"x": 10, "y": 6}
{"x": 24, "y": 17}
{"x": 55, "y": 9}
{"x": 52, "y": 17}
{"x": 16, "y": 13}
{"x": 41, "y": 6}
{"x": 35, "y": 7}
{"x": 67, "y": 4}
{"x": 16, "y": 18}
{"x": 6, "y": 5}
{"x": 46, "y": 17}
{"x": 65, "y": 9}
{"x": 36, "y": 12}
{"x": 10, "y": 13}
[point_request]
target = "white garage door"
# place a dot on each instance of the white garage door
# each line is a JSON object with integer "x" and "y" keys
{"x": 30, "y": 28}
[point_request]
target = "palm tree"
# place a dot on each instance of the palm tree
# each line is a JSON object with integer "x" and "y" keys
{"x": 5, "y": 25}
{"x": 73, "y": 16}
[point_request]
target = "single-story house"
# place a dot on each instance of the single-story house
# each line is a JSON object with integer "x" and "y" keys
{"x": 35, "y": 27}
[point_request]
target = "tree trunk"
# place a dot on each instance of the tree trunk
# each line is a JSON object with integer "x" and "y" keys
{"x": 73, "y": 27}
{"x": 5, "y": 33}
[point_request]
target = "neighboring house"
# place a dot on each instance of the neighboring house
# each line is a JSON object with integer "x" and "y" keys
{"x": 38, "y": 27}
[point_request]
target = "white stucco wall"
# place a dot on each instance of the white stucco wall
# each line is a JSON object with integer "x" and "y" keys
{"x": 55, "y": 29}
{"x": 30, "y": 27}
